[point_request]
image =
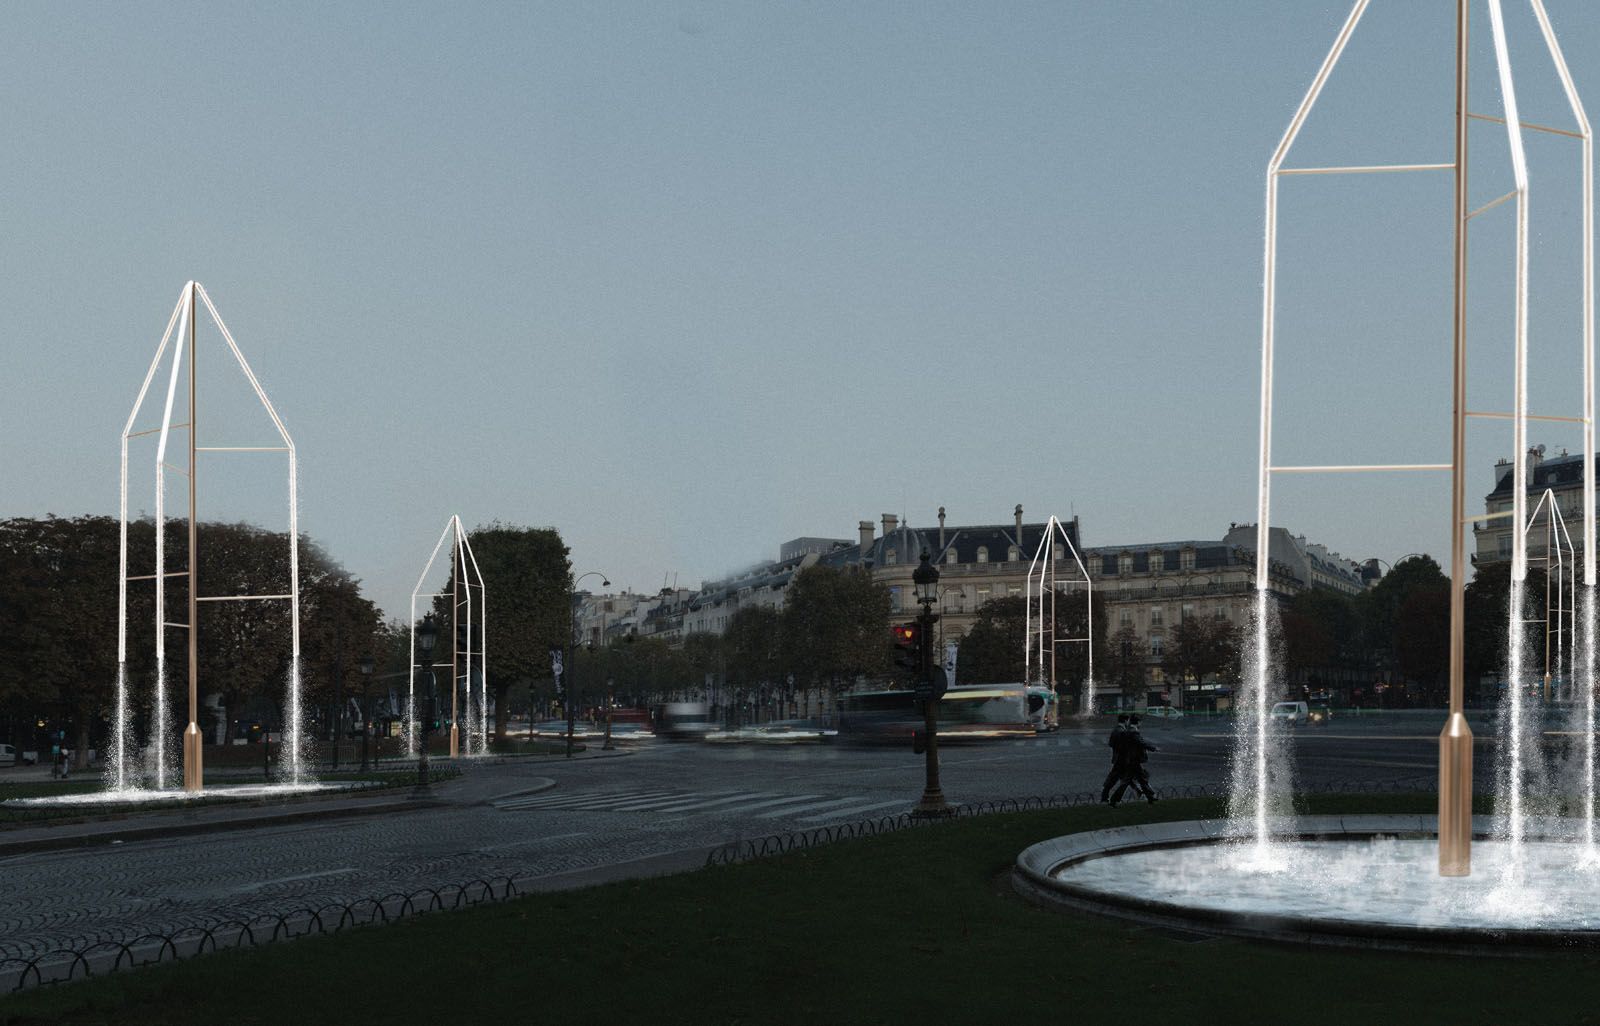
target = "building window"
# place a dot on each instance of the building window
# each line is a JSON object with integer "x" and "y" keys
{"x": 1221, "y": 613}
{"x": 1108, "y": 566}
{"x": 984, "y": 593}
{"x": 1155, "y": 647}
{"x": 1157, "y": 562}
{"x": 1059, "y": 550}
{"x": 983, "y": 553}
{"x": 1186, "y": 613}
{"x": 1125, "y": 618}
{"x": 1156, "y": 616}
{"x": 1013, "y": 589}
{"x": 890, "y": 557}
{"x": 1013, "y": 554}
{"x": 1505, "y": 546}
{"x": 950, "y": 555}
{"x": 1125, "y": 563}
{"x": 894, "y": 599}
{"x": 1186, "y": 560}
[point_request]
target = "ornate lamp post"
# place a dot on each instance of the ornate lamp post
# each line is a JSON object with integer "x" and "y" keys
{"x": 366, "y": 713}
{"x": 930, "y": 687}
{"x": 427, "y": 635}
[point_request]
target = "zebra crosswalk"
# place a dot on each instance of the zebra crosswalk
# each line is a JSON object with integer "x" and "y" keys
{"x": 807, "y": 809}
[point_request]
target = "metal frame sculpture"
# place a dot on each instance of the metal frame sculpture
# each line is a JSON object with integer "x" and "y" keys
{"x": 465, "y": 578}
{"x": 1043, "y": 580}
{"x": 1455, "y": 752}
{"x": 1560, "y": 618}
{"x": 180, "y": 334}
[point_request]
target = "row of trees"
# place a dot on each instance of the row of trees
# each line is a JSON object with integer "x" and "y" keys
{"x": 58, "y": 617}
{"x": 1399, "y": 632}
{"x": 833, "y": 628}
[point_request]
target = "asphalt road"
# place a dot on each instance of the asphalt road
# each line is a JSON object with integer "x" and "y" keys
{"x": 503, "y": 819}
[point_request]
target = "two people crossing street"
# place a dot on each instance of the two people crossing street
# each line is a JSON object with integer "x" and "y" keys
{"x": 1129, "y": 751}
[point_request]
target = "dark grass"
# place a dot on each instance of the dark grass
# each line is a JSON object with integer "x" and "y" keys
{"x": 917, "y": 927}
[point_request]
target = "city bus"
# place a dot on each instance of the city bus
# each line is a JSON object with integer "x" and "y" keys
{"x": 999, "y": 710}
{"x": 1044, "y": 708}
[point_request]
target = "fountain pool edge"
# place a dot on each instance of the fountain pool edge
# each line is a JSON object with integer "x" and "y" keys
{"x": 1034, "y": 878}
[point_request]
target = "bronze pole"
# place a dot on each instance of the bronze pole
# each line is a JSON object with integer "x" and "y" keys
{"x": 455, "y": 646}
{"x": 193, "y": 779}
{"x": 1455, "y": 741}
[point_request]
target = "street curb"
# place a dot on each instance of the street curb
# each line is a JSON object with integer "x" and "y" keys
{"x": 544, "y": 784}
{"x": 165, "y": 830}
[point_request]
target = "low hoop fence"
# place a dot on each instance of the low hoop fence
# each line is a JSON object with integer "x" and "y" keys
{"x": 102, "y": 957}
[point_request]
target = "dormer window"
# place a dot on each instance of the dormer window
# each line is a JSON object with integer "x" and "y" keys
{"x": 1125, "y": 563}
{"x": 1013, "y": 554}
{"x": 950, "y": 555}
{"x": 1158, "y": 561}
{"x": 890, "y": 557}
{"x": 983, "y": 557}
{"x": 1186, "y": 559}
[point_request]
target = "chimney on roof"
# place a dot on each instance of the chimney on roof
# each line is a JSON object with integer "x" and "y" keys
{"x": 865, "y": 527}
{"x": 941, "y": 528}
{"x": 890, "y": 522}
{"x": 1018, "y": 512}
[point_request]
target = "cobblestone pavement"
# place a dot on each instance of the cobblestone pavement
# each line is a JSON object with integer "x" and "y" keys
{"x": 501, "y": 819}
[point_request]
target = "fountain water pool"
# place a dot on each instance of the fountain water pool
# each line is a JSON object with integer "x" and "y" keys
{"x": 1369, "y": 877}
{"x": 139, "y": 796}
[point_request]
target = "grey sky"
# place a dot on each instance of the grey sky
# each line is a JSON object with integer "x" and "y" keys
{"x": 686, "y": 280}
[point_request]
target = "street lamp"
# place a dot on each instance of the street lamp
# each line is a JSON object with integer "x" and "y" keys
{"x": 366, "y": 713}
{"x": 930, "y": 688}
{"x": 427, "y": 636}
{"x": 572, "y": 628}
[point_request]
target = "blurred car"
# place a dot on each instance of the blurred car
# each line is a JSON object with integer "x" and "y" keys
{"x": 1290, "y": 713}
{"x": 1320, "y": 715}
{"x": 1163, "y": 712}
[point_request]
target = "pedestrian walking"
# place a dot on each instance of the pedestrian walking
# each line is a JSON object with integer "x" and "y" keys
{"x": 1135, "y": 751}
{"x": 1115, "y": 741}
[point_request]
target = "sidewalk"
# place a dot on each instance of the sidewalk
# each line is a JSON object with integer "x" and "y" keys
{"x": 135, "y": 825}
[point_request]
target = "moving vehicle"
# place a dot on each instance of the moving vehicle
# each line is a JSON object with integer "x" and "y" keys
{"x": 685, "y": 721}
{"x": 1290, "y": 713}
{"x": 999, "y": 710}
{"x": 1044, "y": 709}
{"x": 1321, "y": 714}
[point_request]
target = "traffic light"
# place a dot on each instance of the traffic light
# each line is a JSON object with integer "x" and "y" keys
{"x": 908, "y": 649}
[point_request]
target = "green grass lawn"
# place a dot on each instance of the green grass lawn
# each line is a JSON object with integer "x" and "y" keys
{"x": 914, "y": 927}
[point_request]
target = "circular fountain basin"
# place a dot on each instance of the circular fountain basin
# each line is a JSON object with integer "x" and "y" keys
{"x": 1353, "y": 880}
{"x": 141, "y": 796}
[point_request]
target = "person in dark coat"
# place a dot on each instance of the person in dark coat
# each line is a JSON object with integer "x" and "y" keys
{"x": 1135, "y": 751}
{"x": 1115, "y": 741}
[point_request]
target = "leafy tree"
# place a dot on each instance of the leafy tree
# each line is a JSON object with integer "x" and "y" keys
{"x": 992, "y": 650}
{"x": 835, "y": 625}
{"x": 1201, "y": 647}
{"x": 1125, "y": 660}
{"x": 527, "y": 583}
{"x": 1422, "y": 637}
{"x": 753, "y": 644}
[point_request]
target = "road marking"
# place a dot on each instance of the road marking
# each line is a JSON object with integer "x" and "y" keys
{"x": 696, "y": 806}
{"x": 673, "y": 802}
{"x": 770, "y": 802}
{"x": 292, "y": 879}
{"x": 810, "y": 807}
{"x": 587, "y": 800}
{"x": 533, "y": 840}
{"x": 850, "y": 811}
